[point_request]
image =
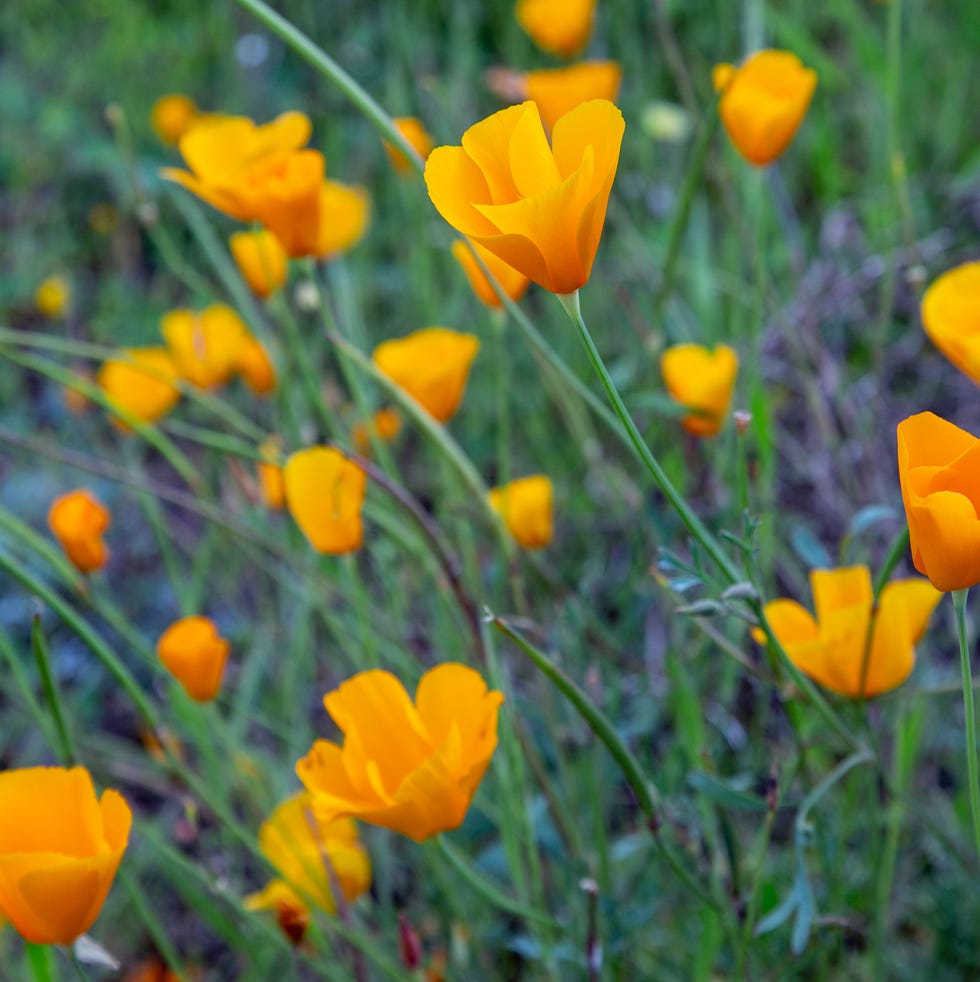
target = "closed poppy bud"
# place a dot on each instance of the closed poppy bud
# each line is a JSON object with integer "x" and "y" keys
{"x": 538, "y": 207}
{"x": 701, "y": 379}
{"x": 526, "y": 506}
{"x": 325, "y": 492}
{"x": 195, "y": 654}
{"x": 52, "y": 296}
{"x": 510, "y": 280}
{"x": 560, "y": 27}
{"x": 344, "y": 213}
{"x": 206, "y": 345}
{"x": 951, "y": 316}
{"x": 415, "y": 134}
{"x": 386, "y": 424}
{"x": 835, "y": 648}
{"x": 300, "y": 851}
{"x": 255, "y": 367}
{"x": 432, "y": 366}
{"x": 559, "y": 90}
{"x": 140, "y": 383}
{"x": 412, "y": 768}
{"x": 261, "y": 260}
{"x": 271, "y": 478}
{"x": 763, "y": 102}
{"x": 939, "y": 469}
{"x": 60, "y": 846}
{"x": 172, "y": 116}
{"x": 77, "y": 520}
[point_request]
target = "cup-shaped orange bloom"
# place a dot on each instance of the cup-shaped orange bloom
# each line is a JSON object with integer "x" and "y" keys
{"x": 205, "y": 345}
{"x": 951, "y": 317}
{"x": 527, "y": 508}
{"x": 60, "y": 846}
{"x": 300, "y": 854}
{"x": 325, "y": 492}
{"x": 195, "y": 654}
{"x": 77, "y": 520}
{"x": 141, "y": 382}
{"x": 344, "y": 213}
{"x": 763, "y": 102}
{"x": 537, "y": 207}
{"x": 255, "y": 366}
{"x": 261, "y": 259}
{"x": 513, "y": 282}
{"x": 172, "y": 116}
{"x": 271, "y": 480}
{"x": 559, "y": 90}
{"x": 701, "y": 379}
{"x": 832, "y": 647}
{"x": 417, "y": 137}
{"x": 413, "y": 768}
{"x": 52, "y": 296}
{"x": 560, "y": 27}
{"x": 257, "y": 173}
{"x": 939, "y": 469}
{"x": 432, "y": 366}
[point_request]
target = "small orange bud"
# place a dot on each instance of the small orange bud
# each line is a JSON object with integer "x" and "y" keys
{"x": 78, "y": 520}
{"x": 195, "y": 654}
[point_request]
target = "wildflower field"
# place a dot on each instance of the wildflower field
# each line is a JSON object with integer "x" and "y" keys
{"x": 480, "y": 482}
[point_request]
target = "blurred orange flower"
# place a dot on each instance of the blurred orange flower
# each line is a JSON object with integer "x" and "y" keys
{"x": 344, "y": 213}
{"x": 300, "y": 854}
{"x": 702, "y": 379}
{"x": 537, "y": 207}
{"x": 257, "y": 173}
{"x": 763, "y": 102}
{"x": 52, "y": 296}
{"x": 386, "y": 424}
{"x": 431, "y": 365}
{"x": 832, "y": 648}
{"x": 559, "y": 90}
{"x": 527, "y": 508}
{"x": 939, "y": 470}
{"x": 511, "y": 281}
{"x": 140, "y": 382}
{"x": 261, "y": 260}
{"x": 410, "y": 768}
{"x": 206, "y": 345}
{"x": 195, "y": 654}
{"x": 417, "y": 137}
{"x": 60, "y": 846}
{"x": 951, "y": 317}
{"x": 560, "y": 27}
{"x": 325, "y": 492}
{"x": 77, "y": 520}
{"x": 270, "y": 473}
{"x": 255, "y": 367}
{"x": 172, "y": 116}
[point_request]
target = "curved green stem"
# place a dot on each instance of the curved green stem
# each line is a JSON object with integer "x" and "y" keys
{"x": 973, "y": 778}
{"x": 691, "y": 521}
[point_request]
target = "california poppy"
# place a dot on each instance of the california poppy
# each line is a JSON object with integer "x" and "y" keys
{"x": 325, "y": 492}
{"x": 195, "y": 654}
{"x": 702, "y": 379}
{"x": 527, "y": 508}
{"x": 951, "y": 317}
{"x": 78, "y": 520}
{"x": 560, "y": 27}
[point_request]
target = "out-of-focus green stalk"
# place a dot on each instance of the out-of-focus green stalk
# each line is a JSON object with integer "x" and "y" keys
{"x": 64, "y": 747}
{"x": 969, "y": 709}
{"x": 327, "y": 67}
{"x": 40, "y": 957}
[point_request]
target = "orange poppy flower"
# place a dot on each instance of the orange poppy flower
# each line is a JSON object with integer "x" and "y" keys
{"x": 951, "y": 317}
{"x": 78, "y": 520}
{"x": 560, "y": 27}
{"x": 140, "y": 382}
{"x": 60, "y": 846}
{"x": 271, "y": 479}
{"x": 195, "y": 654}
{"x": 325, "y": 492}
{"x": 702, "y": 379}
{"x": 559, "y": 90}
{"x": 172, "y": 116}
{"x": 206, "y": 345}
{"x": 527, "y": 508}
{"x": 511, "y": 281}
{"x": 261, "y": 259}
{"x": 413, "y": 768}
{"x": 344, "y": 213}
{"x": 414, "y": 131}
{"x": 539, "y": 208}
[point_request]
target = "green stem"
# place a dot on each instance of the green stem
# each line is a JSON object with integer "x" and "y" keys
{"x": 691, "y": 521}
{"x": 334, "y": 74}
{"x": 897, "y": 549}
{"x": 640, "y": 784}
{"x": 40, "y": 957}
{"x": 959, "y": 605}
{"x": 65, "y": 750}
{"x": 485, "y": 888}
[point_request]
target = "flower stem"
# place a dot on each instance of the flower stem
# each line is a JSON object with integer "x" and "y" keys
{"x": 691, "y": 521}
{"x": 64, "y": 748}
{"x": 959, "y": 605}
{"x": 40, "y": 958}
